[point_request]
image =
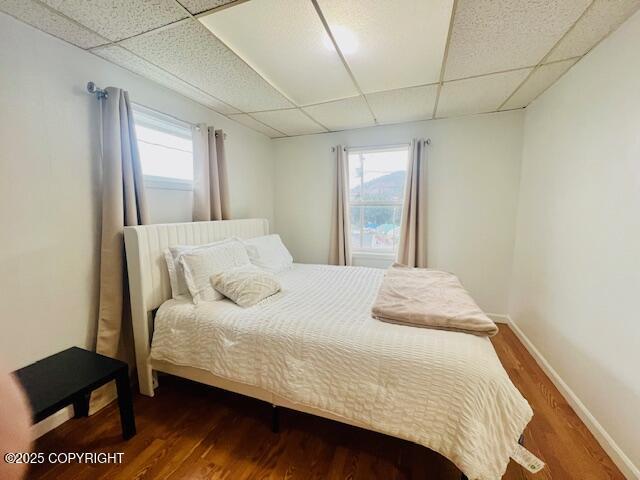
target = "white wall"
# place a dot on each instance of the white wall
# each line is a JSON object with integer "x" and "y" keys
{"x": 50, "y": 186}
{"x": 474, "y": 170}
{"x": 576, "y": 278}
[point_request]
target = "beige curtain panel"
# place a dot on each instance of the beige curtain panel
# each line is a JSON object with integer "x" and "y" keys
{"x": 210, "y": 182}
{"x": 340, "y": 246}
{"x": 123, "y": 204}
{"x": 412, "y": 249}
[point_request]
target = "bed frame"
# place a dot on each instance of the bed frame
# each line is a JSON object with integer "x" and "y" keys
{"x": 149, "y": 283}
{"x": 149, "y": 287}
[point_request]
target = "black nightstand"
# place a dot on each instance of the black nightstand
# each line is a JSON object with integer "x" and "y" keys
{"x": 69, "y": 377}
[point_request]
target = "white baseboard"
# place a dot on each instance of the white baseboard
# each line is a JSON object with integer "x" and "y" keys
{"x": 624, "y": 463}
{"x": 51, "y": 422}
{"x": 499, "y": 317}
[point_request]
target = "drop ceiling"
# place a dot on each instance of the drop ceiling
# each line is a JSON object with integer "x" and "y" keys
{"x": 297, "y": 67}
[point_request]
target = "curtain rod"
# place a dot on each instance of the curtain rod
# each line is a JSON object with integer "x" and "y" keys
{"x": 381, "y": 147}
{"x": 100, "y": 93}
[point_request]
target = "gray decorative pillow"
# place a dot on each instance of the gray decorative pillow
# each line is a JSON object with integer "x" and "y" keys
{"x": 245, "y": 285}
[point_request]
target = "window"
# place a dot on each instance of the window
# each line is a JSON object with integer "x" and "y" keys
{"x": 166, "y": 149}
{"x": 376, "y": 194}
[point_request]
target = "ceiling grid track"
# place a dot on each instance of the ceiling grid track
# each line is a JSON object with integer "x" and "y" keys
{"x": 173, "y": 81}
{"x": 294, "y": 104}
{"x": 262, "y": 123}
{"x": 342, "y": 58}
{"x": 501, "y": 107}
{"x": 75, "y": 22}
{"x": 151, "y": 30}
{"x": 313, "y": 119}
{"x": 541, "y": 62}
{"x": 498, "y": 72}
{"x": 420, "y": 85}
{"x": 222, "y": 7}
{"x": 174, "y": 76}
{"x": 112, "y": 43}
{"x": 91, "y": 50}
{"x": 229, "y": 116}
{"x": 454, "y": 8}
{"x": 195, "y": 17}
{"x": 117, "y": 43}
{"x": 606, "y": 35}
{"x": 218, "y": 8}
{"x": 192, "y": 17}
{"x": 188, "y": 15}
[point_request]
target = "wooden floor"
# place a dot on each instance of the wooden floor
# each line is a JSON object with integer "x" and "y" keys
{"x": 190, "y": 431}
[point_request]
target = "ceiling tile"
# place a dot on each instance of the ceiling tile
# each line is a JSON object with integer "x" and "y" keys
{"x": 118, "y": 19}
{"x": 189, "y": 51}
{"x": 252, "y": 123}
{"x": 128, "y": 60}
{"x": 198, "y": 6}
{"x": 49, "y": 21}
{"x": 342, "y": 114}
{"x": 603, "y": 17}
{"x": 403, "y": 105}
{"x": 285, "y": 41}
{"x": 290, "y": 122}
{"x": 541, "y": 79}
{"x": 495, "y": 35}
{"x": 399, "y": 43}
{"x": 478, "y": 95}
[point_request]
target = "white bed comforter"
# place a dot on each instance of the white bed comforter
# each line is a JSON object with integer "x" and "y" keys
{"x": 315, "y": 343}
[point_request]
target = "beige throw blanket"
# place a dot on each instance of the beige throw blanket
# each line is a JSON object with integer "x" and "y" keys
{"x": 428, "y": 298}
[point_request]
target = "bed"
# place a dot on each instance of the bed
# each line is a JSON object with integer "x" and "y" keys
{"x": 314, "y": 347}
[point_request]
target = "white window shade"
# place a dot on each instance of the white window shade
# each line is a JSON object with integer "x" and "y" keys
{"x": 166, "y": 150}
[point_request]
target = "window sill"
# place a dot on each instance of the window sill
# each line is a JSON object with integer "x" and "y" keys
{"x": 167, "y": 183}
{"x": 374, "y": 255}
{"x": 373, "y": 259}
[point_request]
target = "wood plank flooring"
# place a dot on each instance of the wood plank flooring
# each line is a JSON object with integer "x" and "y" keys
{"x": 191, "y": 431}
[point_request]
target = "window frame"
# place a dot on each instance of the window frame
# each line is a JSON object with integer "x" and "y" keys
{"x": 162, "y": 122}
{"x": 363, "y": 252}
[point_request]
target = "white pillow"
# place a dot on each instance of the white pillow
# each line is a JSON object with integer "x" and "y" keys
{"x": 246, "y": 285}
{"x": 269, "y": 253}
{"x": 200, "y": 264}
{"x": 179, "y": 287}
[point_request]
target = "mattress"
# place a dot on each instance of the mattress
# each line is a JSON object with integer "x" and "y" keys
{"x": 316, "y": 344}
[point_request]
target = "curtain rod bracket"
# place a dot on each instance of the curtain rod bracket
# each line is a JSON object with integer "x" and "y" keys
{"x": 93, "y": 89}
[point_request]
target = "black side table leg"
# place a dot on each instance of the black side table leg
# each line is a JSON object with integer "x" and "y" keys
{"x": 125, "y": 403}
{"x": 275, "y": 419}
{"x": 81, "y": 405}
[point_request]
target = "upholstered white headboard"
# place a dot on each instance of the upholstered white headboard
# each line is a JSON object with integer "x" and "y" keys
{"x": 148, "y": 276}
